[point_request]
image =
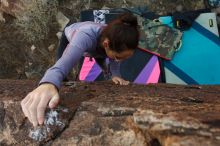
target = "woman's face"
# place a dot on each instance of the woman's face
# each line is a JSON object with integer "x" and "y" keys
{"x": 119, "y": 56}
{"x": 115, "y": 55}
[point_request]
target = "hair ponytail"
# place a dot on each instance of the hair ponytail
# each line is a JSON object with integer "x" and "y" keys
{"x": 129, "y": 19}
{"x": 123, "y": 33}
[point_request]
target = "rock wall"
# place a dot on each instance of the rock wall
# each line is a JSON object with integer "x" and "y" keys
{"x": 103, "y": 114}
{"x": 30, "y": 29}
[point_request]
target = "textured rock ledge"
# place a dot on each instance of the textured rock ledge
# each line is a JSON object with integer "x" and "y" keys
{"x": 102, "y": 114}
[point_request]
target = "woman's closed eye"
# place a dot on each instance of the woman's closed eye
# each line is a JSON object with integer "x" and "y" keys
{"x": 117, "y": 58}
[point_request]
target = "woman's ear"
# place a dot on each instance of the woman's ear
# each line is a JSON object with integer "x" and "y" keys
{"x": 106, "y": 43}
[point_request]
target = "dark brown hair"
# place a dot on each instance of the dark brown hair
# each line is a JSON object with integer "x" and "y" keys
{"x": 122, "y": 33}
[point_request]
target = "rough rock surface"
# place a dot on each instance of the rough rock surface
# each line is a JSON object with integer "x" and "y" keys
{"x": 101, "y": 113}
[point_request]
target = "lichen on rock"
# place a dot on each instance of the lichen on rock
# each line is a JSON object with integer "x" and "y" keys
{"x": 53, "y": 122}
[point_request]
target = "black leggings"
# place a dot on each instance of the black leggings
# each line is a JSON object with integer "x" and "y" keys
{"x": 62, "y": 46}
{"x": 63, "y": 43}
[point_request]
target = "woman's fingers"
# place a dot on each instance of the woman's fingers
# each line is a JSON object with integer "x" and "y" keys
{"x": 54, "y": 101}
{"x": 115, "y": 80}
{"x": 120, "y": 81}
{"x": 23, "y": 102}
{"x": 125, "y": 82}
{"x": 33, "y": 109}
{"x": 26, "y": 107}
{"x": 41, "y": 109}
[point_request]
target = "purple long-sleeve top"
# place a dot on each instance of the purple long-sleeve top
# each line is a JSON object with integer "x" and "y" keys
{"x": 83, "y": 37}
